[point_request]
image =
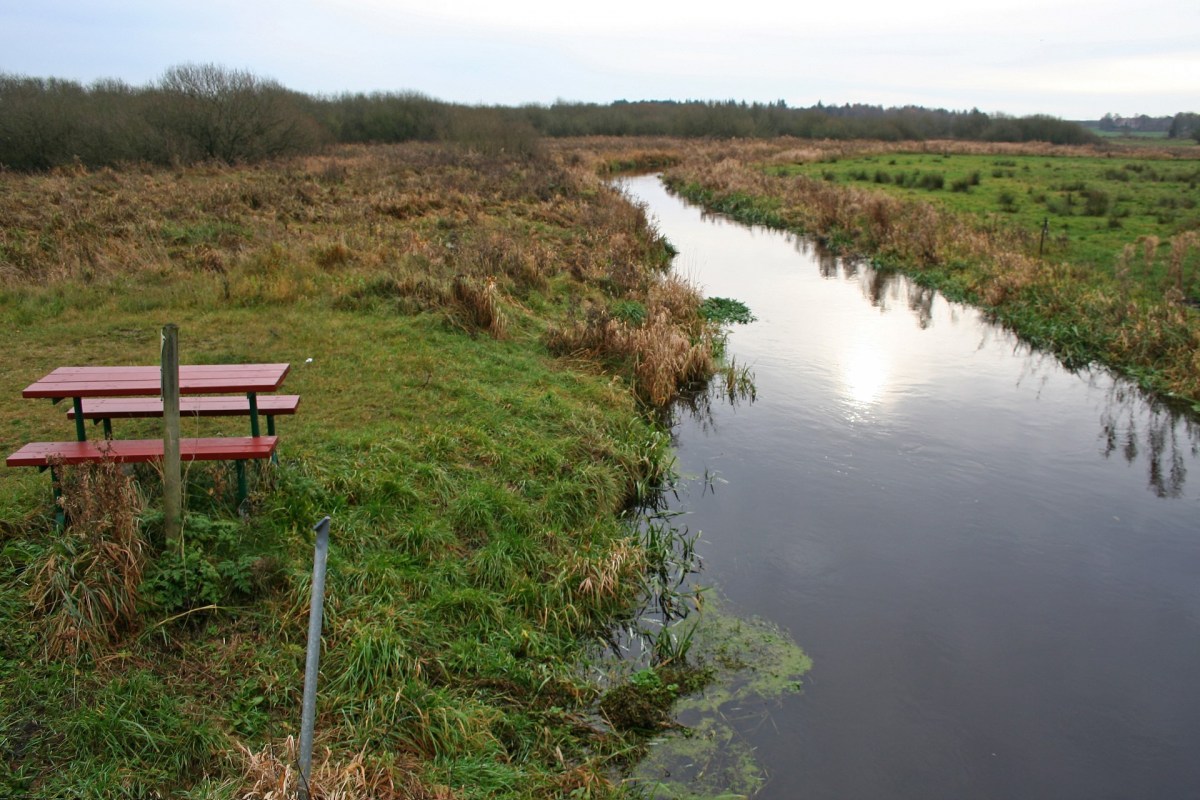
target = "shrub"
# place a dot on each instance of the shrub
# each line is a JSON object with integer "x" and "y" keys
{"x": 932, "y": 181}
{"x": 1095, "y": 203}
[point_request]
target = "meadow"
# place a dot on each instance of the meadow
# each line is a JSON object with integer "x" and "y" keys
{"x": 1089, "y": 207}
{"x": 483, "y": 344}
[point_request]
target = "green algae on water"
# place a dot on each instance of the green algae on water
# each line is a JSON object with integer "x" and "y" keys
{"x": 755, "y": 665}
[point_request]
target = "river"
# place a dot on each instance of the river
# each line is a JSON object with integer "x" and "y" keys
{"x": 993, "y": 562}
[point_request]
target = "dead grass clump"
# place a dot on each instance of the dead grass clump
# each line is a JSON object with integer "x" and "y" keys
{"x": 480, "y": 302}
{"x": 604, "y": 576}
{"x": 663, "y": 357}
{"x": 678, "y": 297}
{"x": 333, "y": 255}
{"x": 86, "y": 590}
{"x": 1010, "y": 275}
{"x": 1180, "y": 246}
{"x": 272, "y": 774}
{"x": 503, "y": 253}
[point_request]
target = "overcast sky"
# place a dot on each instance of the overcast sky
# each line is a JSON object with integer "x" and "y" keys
{"x": 1068, "y": 58}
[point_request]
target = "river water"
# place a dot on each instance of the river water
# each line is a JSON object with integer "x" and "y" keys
{"x": 994, "y": 563}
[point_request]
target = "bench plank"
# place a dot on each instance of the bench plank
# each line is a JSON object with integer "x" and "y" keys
{"x": 131, "y": 407}
{"x": 40, "y": 454}
{"x": 138, "y": 380}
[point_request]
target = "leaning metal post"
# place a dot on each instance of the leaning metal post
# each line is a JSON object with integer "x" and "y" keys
{"x": 315, "y": 612}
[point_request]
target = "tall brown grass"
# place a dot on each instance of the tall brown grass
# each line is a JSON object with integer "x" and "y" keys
{"x": 663, "y": 356}
{"x": 271, "y": 773}
{"x": 86, "y": 589}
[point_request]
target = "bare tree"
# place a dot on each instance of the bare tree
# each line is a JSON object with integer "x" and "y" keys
{"x": 211, "y": 112}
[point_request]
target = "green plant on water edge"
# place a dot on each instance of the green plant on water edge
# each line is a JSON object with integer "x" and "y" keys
{"x": 726, "y": 311}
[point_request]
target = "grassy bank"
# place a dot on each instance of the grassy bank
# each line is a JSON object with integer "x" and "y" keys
{"x": 477, "y": 341}
{"x": 1116, "y": 285}
{"x": 1089, "y": 207}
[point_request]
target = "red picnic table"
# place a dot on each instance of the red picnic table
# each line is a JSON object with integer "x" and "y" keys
{"x": 104, "y": 393}
{"x": 78, "y": 383}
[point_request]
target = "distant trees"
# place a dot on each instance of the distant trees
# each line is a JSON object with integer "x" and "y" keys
{"x": 45, "y": 122}
{"x": 384, "y": 117}
{"x": 195, "y": 113}
{"x": 199, "y": 112}
{"x": 1181, "y": 126}
{"x": 1184, "y": 125}
{"x": 207, "y": 112}
{"x": 725, "y": 119}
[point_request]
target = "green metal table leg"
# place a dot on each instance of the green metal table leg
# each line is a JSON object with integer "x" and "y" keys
{"x": 253, "y": 398}
{"x": 80, "y": 429}
{"x": 271, "y": 432}
{"x": 107, "y": 427}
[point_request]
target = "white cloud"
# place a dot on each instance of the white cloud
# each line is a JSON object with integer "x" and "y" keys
{"x": 1064, "y": 57}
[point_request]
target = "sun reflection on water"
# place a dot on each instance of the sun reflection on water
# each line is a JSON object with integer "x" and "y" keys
{"x": 865, "y": 371}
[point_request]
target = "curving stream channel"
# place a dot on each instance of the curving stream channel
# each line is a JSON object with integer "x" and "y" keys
{"x": 994, "y": 563}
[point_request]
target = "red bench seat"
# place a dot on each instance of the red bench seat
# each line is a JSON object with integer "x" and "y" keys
{"x": 42, "y": 454}
{"x": 130, "y": 407}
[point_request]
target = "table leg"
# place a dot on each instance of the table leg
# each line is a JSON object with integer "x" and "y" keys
{"x": 80, "y": 428}
{"x": 253, "y": 398}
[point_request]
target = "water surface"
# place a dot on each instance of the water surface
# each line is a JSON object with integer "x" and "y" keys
{"x": 993, "y": 562}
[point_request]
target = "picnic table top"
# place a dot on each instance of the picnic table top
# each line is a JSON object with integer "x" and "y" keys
{"x": 127, "y": 381}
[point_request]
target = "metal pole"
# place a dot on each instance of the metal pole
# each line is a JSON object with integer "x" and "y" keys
{"x": 312, "y": 663}
{"x": 172, "y": 475}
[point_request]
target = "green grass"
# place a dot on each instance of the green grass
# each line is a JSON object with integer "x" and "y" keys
{"x": 458, "y": 472}
{"x": 477, "y": 483}
{"x": 1091, "y": 207}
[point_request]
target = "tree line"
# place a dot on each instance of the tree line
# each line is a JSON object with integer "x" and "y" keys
{"x": 1184, "y": 125}
{"x": 206, "y": 112}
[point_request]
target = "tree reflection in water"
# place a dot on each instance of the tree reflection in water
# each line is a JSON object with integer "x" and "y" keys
{"x": 1132, "y": 423}
{"x": 1135, "y": 425}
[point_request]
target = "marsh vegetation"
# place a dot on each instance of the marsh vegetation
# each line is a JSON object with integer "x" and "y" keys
{"x": 482, "y": 343}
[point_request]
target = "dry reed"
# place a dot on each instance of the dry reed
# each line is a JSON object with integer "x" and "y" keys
{"x": 86, "y": 589}
{"x": 272, "y": 774}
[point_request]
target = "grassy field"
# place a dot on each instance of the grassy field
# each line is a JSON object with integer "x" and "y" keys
{"x": 1089, "y": 207}
{"x": 481, "y": 344}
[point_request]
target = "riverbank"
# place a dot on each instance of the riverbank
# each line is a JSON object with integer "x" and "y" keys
{"x": 476, "y": 341}
{"x": 1133, "y": 313}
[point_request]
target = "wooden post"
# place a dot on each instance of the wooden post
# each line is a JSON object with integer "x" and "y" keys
{"x": 172, "y": 474}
